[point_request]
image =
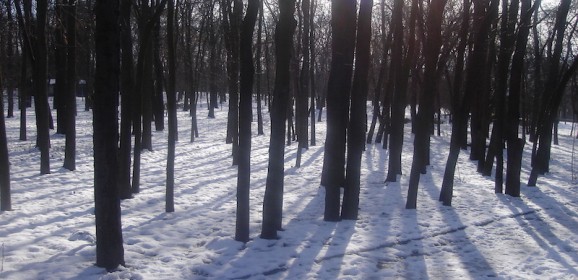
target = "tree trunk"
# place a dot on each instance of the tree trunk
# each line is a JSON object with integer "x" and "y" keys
{"x": 171, "y": 109}
{"x": 358, "y": 116}
{"x": 515, "y": 144}
{"x": 259, "y": 72}
{"x": 109, "y": 248}
{"x": 126, "y": 89}
{"x": 70, "y": 97}
{"x": 245, "y": 108}
{"x": 40, "y": 97}
{"x": 273, "y": 200}
{"x": 431, "y": 50}
{"x": 5, "y": 198}
{"x": 547, "y": 117}
{"x": 158, "y": 100}
{"x": 399, "y": 72}
{"x": 343, "y": 26}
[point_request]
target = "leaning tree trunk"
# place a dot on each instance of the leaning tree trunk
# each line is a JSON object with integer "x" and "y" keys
{"x": 109, "y": 248}
{"x": 273, "y": 200}
{"x": 431, "y": 49}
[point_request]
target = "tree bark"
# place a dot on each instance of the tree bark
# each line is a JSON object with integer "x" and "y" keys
{"x": 245, "y": 115}
{"x": 70, "y": 97}
{"x": 358, "y": 116}
{"x": 5, "y": 196}
{"x": 109, "y": 248}
{"x": 431, "y": 50}
{"x": 171, "y": 109}
{"x": 126, "y": 89}
{"x": 273, "y": 200}
{"x": 343, "y": 26}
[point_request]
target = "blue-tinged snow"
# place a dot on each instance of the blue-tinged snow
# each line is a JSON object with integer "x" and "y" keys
{"x": 50, "y": 233}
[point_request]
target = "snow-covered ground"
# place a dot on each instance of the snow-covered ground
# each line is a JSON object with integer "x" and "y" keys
{"x": 50, "y": 233}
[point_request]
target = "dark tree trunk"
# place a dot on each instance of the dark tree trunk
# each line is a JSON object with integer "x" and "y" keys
{"x": 515, "y": 144}
{"x": 343, "y": 26}
{"x": 60, "y": 64}
{"x": 109, "y": 248}
{"x": 507, "y": 40}
{"x": 547, "y": 117}
{"x": 431, "y": 50}
{"x": 358, "y": 115}
{"x": 398, "y": 79}
{"x": 302, "y": 94}
{"x": 10, "y": 59}
{"x": 70, "y": 96}
{"x": 273, "y": 200}
{"x": 231, "y": 21}
{"x": 137, "y": 97}
{"x": 126, "y": 89}
{"x": 312, "y": 72}
{"x": 245, "y": 107}
{"x": 171, "y": 108}
{"x": 158, "y": 100}
{"x": 259, "y": 72}
{"x": 40, "y": 97}
{"x": 5, "y": 198}
{"x": 23, "y": 93}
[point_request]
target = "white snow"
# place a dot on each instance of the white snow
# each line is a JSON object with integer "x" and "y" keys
{"x": 50, "y": 233}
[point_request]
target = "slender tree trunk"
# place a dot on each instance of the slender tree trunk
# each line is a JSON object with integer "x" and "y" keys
{"x": 399, "y": 72}
{"x": 273, "y": 200}
{"x": 312, "y": 72}
{"x": 302, "y": 95}
{"x": 431, "y": 50}
{"x": 158, "y": 105}
{"x": 109, "y": 248}
{"x": 547, "y": 117}
{"x": 40, "y": 97}
{"x": 171, "y": 109}
{"x": 126, "y": 89}
{"x": 245, "y": 108}
{"x": 259, "y": 71}
{"x": 358, "y": 116}
{"x": 23, "y": 93}
{"x": 70, "y": 99}
{"x": 5, "y": 197}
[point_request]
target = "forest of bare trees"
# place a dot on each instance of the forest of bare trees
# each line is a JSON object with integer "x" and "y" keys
{"x": 504, "y": 73}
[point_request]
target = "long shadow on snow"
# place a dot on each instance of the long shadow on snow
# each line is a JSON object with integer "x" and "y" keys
{"x": 456, "y": 228}
{"x": 542, "y": 233}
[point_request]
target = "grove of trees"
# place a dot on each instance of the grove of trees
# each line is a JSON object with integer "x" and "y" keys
{"x": 504, "y": 73}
